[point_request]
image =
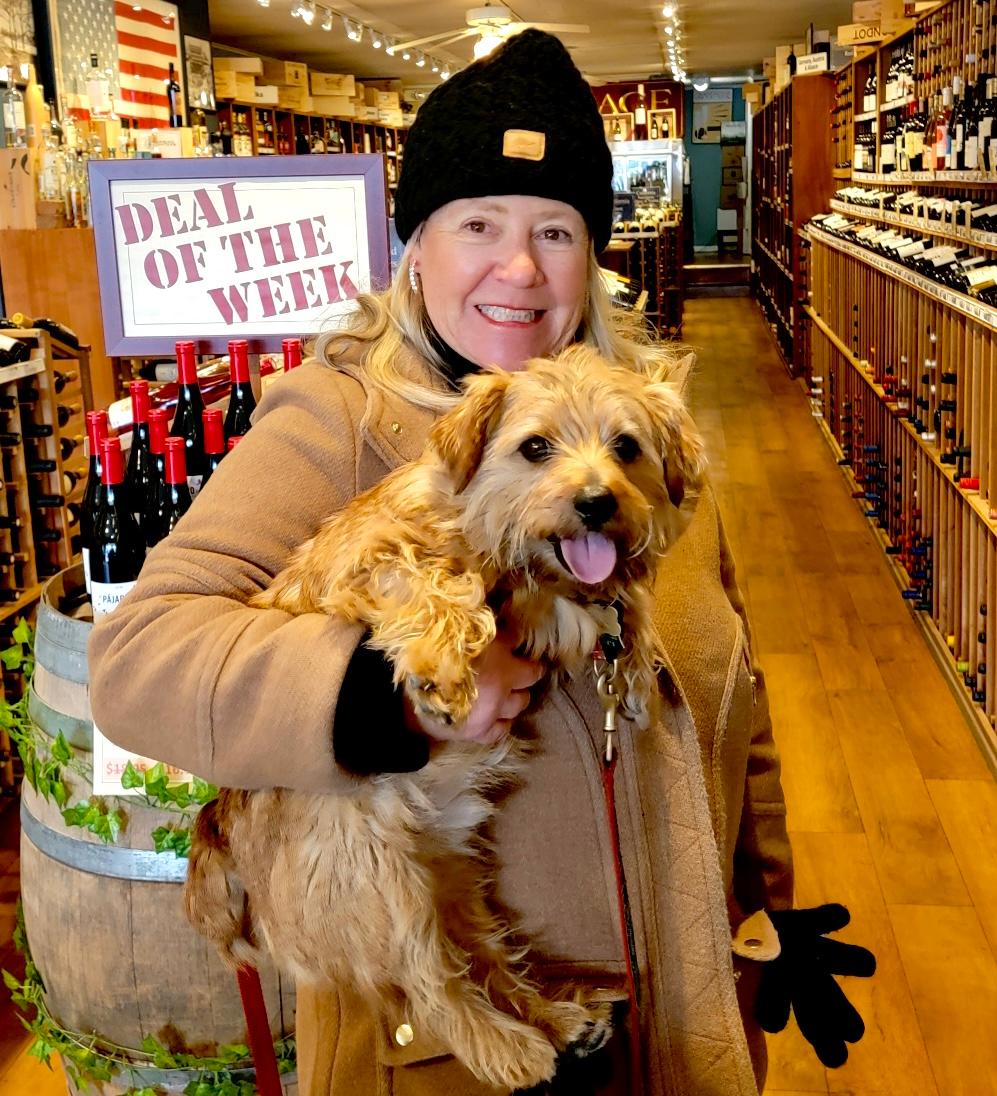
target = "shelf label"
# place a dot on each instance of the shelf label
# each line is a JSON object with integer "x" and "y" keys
{"x": 859, "y": 34}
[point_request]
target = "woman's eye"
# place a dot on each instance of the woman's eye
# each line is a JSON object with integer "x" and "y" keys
{"x": 556, "y": 235}
{"x": 476, "y": 226}
{"x": 626, "y": 448}
{"x": 535, "y": 449}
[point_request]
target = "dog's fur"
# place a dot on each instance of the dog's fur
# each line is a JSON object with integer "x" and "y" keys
{"x": 387, "y": 888}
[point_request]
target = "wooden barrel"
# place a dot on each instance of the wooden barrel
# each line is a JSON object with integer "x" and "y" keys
{"x": 105, "y": 923}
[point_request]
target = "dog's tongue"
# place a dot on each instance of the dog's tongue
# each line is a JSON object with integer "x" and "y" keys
{"x": 591, "y": 557}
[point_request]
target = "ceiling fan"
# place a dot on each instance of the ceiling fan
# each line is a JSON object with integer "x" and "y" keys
{"x": 492, "y": 24}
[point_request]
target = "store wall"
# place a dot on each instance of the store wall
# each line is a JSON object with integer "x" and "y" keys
{"x": 705, "y": 175}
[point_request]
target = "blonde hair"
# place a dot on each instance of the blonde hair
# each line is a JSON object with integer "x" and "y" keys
{"x": 386, "y": 322}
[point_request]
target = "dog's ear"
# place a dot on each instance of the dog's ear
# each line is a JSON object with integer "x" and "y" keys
{"x": 682, "y": 449}
{"x": 460, "y": 436}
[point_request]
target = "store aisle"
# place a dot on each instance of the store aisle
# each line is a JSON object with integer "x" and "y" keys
{"x": 891, "y": 807}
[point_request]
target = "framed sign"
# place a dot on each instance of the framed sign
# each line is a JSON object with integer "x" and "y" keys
{"x": 251, "y": 248}
{"x": 200, "y": 80}
{"x": 710, "y": 109}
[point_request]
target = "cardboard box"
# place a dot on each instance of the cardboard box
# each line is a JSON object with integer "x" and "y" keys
{"x": 330, "y": 83}
{"x": 782, "y": 76}
{"x": 170, "y": 144}
{"x": 388, "y": 100}
{"x": 752, "y": 93}
{"x": 731, "y": 175}
{"x": 266, "y": 95}
{"x": 730, "y": 155}
{"x": 252, "y": 65}
{"x": 728, "y": 197}
{"x": 339, "y": 106}
{"x": 17, "y": 189}
{"x": 234, "y": 85}
{"x": 289, "y": 73}
{"x": 390, "y": 117}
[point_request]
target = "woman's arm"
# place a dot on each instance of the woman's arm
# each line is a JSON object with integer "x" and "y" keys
{"x": 763, "y": 859}
{"x": 183, "y": 670}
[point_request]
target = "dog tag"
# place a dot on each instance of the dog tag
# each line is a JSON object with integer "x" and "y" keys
{"x": 610, "y": 702}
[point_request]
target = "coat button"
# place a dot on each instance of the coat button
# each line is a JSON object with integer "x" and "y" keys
{"x": 396, "y": 428}
{"x": 404, "y": 1034}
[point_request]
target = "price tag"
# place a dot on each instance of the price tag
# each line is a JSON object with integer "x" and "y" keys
{"x": 110, "y": 762}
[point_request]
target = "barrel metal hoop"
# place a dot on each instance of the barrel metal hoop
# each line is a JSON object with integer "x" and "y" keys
{"x": 61, "y": 644}
{"x": 140, "y": 865}
{"x": 77, "y": 732}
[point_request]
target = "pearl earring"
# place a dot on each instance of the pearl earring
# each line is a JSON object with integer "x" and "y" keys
{"x": 413, "y": 281}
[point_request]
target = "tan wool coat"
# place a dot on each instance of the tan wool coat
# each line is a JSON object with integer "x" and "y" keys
{"x": 184, "y": 671}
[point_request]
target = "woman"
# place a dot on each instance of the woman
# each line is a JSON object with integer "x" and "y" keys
{"x": 504, "y": 201}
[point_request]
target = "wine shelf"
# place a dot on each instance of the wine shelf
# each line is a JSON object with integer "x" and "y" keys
{"x": 924, "y": 225}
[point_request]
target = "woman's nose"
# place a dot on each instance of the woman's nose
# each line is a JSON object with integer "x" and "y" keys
{"x": 519, "y": 268}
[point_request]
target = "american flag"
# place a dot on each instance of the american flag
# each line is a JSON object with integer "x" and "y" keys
{"x": 136, "y": 41}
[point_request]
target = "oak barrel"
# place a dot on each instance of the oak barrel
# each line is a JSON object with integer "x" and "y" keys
{"x": 105, "y": 923}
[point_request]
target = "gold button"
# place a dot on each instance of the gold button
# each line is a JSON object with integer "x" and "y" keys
{"x": 396, "y": 428}
{"x": 404, "y": 1035}
{"x": 752, "y": 942}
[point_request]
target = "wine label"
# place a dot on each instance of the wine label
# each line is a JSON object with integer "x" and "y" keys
{"x": 111, "y": 760}
{"x": 107, "y": 596}
{"x": 971, "y": 154}
{"x": 194, "y": 483}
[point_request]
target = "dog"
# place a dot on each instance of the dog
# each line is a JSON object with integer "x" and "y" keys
{"x": 543, "y": 499}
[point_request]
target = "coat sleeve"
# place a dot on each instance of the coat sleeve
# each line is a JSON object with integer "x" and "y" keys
{"x": 763, "y": 859}
{"x": 184, "y": 671}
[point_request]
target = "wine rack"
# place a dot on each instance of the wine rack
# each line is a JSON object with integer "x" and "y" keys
{"x": 902, "y": 377}
{"x": 792, "y": 166}
{"x": 842, "y": 124}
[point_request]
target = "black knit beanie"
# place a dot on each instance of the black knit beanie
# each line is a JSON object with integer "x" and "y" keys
{"x": 520, "y": 121}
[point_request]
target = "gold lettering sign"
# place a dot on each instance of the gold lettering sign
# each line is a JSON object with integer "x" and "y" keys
{"x": 524, "y": 144}
{"x": 608, "y": 101}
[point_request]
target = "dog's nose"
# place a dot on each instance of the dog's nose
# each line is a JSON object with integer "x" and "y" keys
{"x": 595, "y": 506}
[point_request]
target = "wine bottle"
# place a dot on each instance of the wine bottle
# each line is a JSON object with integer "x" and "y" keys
{"x": 116, "y": 550}
{"x": 96, "y": 433}
{"x": 174, "y": 96}
{"x": 68, "y": 446}
{"x": 152, "y": 509}
{"x": 10, "y": 521}
{"x": 54, "y": 328}
{"x": 177, "y": 497}
{"x": 140, "y": 471}
{"x": 232, "y": 443}
{"x": 188, "y": 422}
{"x": 60, "y": 380}
{"x": 214, "y": 441}
{"x": 13, "y": 351}
{"x": 242, "y": 402}
{"x": 292, "y": 353}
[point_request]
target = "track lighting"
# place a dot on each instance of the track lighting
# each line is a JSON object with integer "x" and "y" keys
{"x": 406, "y": 55}
{"x": 264, "y": 3}
{"x": 668, "y": 11}
{"x": 436, "y": 66}
{"x": 327, "y": 21}
{"x": 445, "y": 74}
{"x": 420, "y": 60}
{"x": 376, "y": 40}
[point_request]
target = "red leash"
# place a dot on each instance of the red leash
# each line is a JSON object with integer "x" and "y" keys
{"x": 258, "y": 1030}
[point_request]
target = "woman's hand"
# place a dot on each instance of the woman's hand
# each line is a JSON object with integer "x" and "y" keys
{"x": 504, "y": 681}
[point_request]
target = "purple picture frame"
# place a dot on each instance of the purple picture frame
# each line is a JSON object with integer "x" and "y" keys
{"x": 363, "y": 168}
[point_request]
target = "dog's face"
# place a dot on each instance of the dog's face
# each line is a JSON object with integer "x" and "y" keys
{"x": 573, "y": 470}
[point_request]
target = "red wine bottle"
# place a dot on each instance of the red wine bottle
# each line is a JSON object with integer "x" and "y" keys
{"x": 13, "y": 351}
{"x": 232, "y": 443}
{"x": 242, "y": 402}
{"x": 152, "y": 507}
{"x": 214, "y": 441}
{"x": 177, "y": 497}
{"x": 116, "y": 549}
{"x": 140, "y": 472}
{"x": 60, "y": 380}
{"x": 292, "y": 354}
{"x": 187, "y": 423}
{"x": 96, "y": 433}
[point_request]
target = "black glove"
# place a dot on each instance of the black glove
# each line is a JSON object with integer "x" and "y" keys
{"x": 803, "y": 978}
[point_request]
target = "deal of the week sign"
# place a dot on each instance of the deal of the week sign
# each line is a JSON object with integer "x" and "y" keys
{"x": 217, "y": 249}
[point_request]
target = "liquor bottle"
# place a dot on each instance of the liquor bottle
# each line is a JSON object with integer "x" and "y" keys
{"x": 140, "y": 475}
{"x": 152, "y": 508}
{"x": 174, "y": 97}
{"x": 13, "y": 351}
{"x": 177, "y": 497}
{"x": 791, "y": 62}
{"x": 116, "y": 551}
{"x": 214, "y": 441}
{"x": 188, "y": 423}
{"x": 242, "y": 402}
{"x": 292, "y": 353}
{"x": 96, "y": 433}
{"x": 98, "y": 90}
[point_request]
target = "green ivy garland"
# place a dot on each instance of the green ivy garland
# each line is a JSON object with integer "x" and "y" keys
{"x": 89, "y": 1059}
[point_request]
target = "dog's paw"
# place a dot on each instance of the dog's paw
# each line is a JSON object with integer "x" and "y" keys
{"x": 449, "y": 705}
{"x": 576, "y": 1027}
{"x": 518, "y": 1059}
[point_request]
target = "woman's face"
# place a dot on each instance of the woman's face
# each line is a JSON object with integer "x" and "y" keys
{"x": 504, "y": 278}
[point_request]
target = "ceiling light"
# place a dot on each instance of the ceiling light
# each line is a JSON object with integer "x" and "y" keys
{"x": 353, "y": 30}
{"x": 389, "y": 48}
{"x": 327, "y": 21}
{"x": 420, "y": 60}
{"x": 307, "y": 13}
{"x": 445, "y": 74}
{"x": 436, "y": 66}
{"x": 375, "y": 40}
{"x": 406, "y": 55}
{"x": 668, "y": 11}
{"x": 266, "y": 4}
{"x": 700, "y": 82}
{"x": 669, "y": 29}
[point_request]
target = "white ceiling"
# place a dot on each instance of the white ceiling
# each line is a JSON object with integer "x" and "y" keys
{"x": 721, "y": 36}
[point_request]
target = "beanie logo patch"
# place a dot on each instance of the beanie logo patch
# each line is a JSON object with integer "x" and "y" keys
{"x": 524, "y": 144}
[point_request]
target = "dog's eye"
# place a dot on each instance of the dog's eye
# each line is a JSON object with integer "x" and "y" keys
{"x": 626, "y": 448}
{"x": 535, "y": 449}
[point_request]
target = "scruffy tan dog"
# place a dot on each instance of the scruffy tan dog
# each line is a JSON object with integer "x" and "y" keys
{"x": 541, "y": 499}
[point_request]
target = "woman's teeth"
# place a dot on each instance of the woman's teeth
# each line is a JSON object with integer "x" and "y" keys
{"x": 509, "y": 315}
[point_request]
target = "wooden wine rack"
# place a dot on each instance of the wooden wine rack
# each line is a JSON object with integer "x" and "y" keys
{"x": 791, "y": 181}
{"x": 883, "y": 338}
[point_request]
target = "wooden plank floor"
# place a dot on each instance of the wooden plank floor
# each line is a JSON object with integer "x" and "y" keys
{"x": 891, "y": 808}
